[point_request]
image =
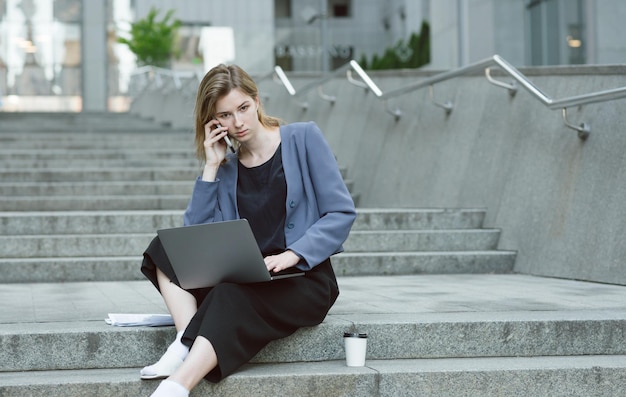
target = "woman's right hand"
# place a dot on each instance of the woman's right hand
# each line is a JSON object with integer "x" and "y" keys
{"x": 214, "y": 145}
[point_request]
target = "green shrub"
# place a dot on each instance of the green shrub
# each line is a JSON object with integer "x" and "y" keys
{"x": 152, "y": 41}
{"x": 412, "y": 54}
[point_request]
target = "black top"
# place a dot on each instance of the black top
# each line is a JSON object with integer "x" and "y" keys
{"x": 261, "y": 197}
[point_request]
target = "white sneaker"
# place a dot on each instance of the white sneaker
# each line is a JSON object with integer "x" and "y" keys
{"x": 167, "y": 364}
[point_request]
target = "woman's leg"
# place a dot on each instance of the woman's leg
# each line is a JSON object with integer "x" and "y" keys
{"x": 200, "y": 361}
{"x": 182, "y": 306}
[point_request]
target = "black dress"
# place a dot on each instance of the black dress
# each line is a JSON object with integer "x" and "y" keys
{"x": 240, "y": 319}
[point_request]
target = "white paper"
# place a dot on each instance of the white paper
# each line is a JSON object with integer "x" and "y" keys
{"x": 138, "y": 320}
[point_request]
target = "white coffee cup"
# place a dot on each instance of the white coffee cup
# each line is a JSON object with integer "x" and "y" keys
{"x": 356, "y": 346}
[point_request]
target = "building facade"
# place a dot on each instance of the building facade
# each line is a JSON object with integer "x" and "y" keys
{"x": 63, "y": 54}
{"x": 527, "y": 32}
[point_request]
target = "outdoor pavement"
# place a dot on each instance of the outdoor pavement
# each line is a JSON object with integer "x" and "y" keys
{"x": 436, "y": 296}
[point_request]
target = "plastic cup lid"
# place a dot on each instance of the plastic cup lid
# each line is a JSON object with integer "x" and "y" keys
{"x": 354, "y": 335}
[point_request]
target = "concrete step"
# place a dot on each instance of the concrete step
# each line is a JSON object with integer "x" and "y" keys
{"x": 418, "y": 218}
{"x": 73, "y": 245}
{"x": 124, "y": 268}
{"x": 86, "y": 142}
{"x": 89, "y": 127}
{"x": 84, "y": 122}
{"x": 95, "y": 203}
{"x": 91, "y": 136}
{"x": 70, "y": 269}
{"x": 398, "y": 263}
{"x": 38, "y": 192}
{"x": 119, "y": 153}
{"x": 579, "y": 376}
{"x": 60, "y": 326}
{"x": 91, "y": 344}
{"x": 33, "y": 191}
{"x": 105, "y": 196}
{"x": 102, "y": 163}
{"x": 46, "y": 245}
{"x": 82, "y": 127}
{"x": 112, "y": 222}
{"x": 95, "y": 173}
{"x": 87, "y": 222}
{"x": 422, "y": 240}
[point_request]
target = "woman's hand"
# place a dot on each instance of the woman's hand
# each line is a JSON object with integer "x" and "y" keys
{"x": 214, "y": 149}
{"x": 214, "y": 146}
{"x": 285, "y": 260}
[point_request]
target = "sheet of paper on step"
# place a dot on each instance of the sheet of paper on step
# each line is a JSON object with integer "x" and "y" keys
{"x": 139, "y": 320}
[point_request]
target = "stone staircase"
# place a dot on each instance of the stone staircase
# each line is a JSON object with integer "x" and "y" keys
{"x": 82, "y": 195}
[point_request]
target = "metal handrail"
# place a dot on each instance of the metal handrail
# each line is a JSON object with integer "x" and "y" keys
{"x": 347, "y": 68}
{"x": 496, "y": 60}
{"x": 485, "y": 65}
{"x": 284, "y": 80}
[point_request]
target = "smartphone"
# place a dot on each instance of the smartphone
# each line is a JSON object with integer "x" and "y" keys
{"x": 227, "y": 140}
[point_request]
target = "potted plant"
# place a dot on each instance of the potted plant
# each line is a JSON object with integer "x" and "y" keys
{"x": 153, "y": 41}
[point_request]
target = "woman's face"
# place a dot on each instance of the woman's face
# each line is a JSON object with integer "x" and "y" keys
{"x": 238, "y": 112}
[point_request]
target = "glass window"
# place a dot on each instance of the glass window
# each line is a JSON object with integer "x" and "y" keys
{"x": 40, "y": 55}
{"x": 282, "y": 8}
{"x": 556, "y": 32}
{"x": 339, "y": 8}
{"x": 575, "y": 34}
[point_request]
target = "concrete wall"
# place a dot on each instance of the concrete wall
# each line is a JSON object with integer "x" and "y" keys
{"x": 558, "y": 200}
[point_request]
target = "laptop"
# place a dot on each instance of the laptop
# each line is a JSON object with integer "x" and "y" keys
{"x": 212, "y": 253}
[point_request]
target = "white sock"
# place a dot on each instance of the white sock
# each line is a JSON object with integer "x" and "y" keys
{"x": 169, "y": 388}
{"x": 174, "y": 356}
{"x": 178, "y": 347}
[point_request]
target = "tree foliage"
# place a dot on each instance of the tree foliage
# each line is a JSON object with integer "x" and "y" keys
{"x": 404, "y": 55}
{"x": 153, "y": 41}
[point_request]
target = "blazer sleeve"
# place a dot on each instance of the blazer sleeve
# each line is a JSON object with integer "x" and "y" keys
{"x": 202, "y": 205}
{"x": 214, "y": 201}
{"x": 335, "y": 208}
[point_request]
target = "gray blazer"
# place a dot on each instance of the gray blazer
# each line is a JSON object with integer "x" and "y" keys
{"x": 319, "y": 208}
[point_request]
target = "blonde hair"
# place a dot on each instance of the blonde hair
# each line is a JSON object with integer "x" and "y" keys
{"x": 217, "y": 83}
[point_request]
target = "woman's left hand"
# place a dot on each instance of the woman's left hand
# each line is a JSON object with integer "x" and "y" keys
{"x": 285, "y": 260}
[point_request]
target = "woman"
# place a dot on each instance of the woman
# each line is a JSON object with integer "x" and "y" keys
{"x": 284, "y": 179}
